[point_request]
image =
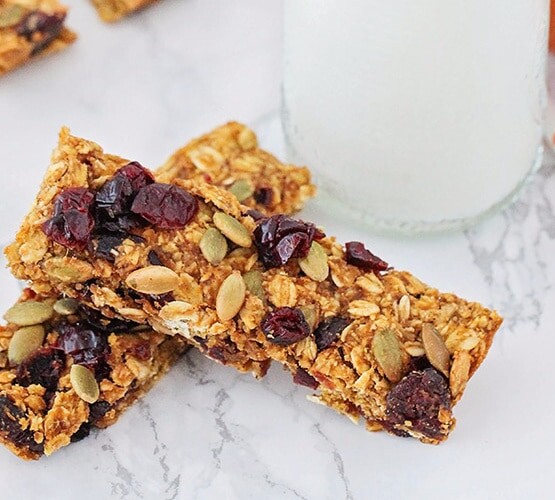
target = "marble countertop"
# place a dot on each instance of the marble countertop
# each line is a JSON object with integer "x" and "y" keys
{"x": 141, "y": 89}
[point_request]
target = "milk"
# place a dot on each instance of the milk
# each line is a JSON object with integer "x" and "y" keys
{"x": 415, "y": 113}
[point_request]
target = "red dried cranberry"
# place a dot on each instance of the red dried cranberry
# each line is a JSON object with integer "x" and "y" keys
{"x": 115, "y": 197}
{"x": 256, "y": 214}
{"x": 86, "y": 346}
{"x": 141, "y": 350}
{"x": 10, "y": 417}
{"x": 280, "y": 238}
{"x": 43, "y": 367}
{"x": 285, "y": 326}
{"x": 418, "y": 398}
{"x": 165, "y": 205}
{"x": 264, "y": 196}
{"x": 357, "y": 255}
{"x": 73, "y": 221}
{"x": 154, "y": 259}
{"x": 48, "y": 25}
{"x": 97, "y": 321}
{"x": 328, "y": 330}
{"x": 302, "y": 377}
{"x": 98, "y": 410}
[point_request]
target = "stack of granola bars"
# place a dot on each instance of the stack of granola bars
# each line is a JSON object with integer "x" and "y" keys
{"x": 128, "y": 267}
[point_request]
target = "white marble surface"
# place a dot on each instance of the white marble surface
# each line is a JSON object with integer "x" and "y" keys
{"x": 141, "y": 89}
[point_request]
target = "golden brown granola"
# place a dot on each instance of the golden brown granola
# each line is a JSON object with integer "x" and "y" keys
{"x": 41, "y": 411}
{"x": 230, "y": 155}
{"x": 113, "y": 10}
{"x": 29, "y": 29}
{"x": 354, "y": 334}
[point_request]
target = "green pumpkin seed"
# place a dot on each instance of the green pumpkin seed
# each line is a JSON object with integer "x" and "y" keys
{"x": 309, "y": 313}
{"x": 242, "y": 189}
{"x": 254, "y": 282}
{"x": 83, "y": 382}
{"x": 231, "y": 297}
{"x": 315, "y": 264}
{"x": 232, "y": 229}
{"x": 10, "y": 15}
{"x": 66, "y": 306}
{"x": 213, "y": 246}
{"x": 25, "y": 342}
{"x": 29, "y": 313}
{"x": 387, "y": 351}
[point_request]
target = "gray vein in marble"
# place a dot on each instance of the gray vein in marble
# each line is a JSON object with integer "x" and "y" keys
{"x": 513, "y": 267}
{"x": 338, "y": 462}
{"x": 160, "y": 450}
{"x": 128, "y": 483}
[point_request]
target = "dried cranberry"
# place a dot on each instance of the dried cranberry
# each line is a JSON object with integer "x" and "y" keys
{"x": 154, "y": 259}
{"x": 328, "y": 330}
{"x": 98, "y": 410}
{"x": 141, "y": 350}
{"x": 43, "y": 368}
{"x": 165, "y": 205}
{"x": 86, "y": 346}
{"x": 115, "y": 197}
{"x": 264, "y": 196}
{"x": 81, "y": 433}
{"x": 49, "y": 26}
{"x": 302, "y": 377}
{"x": 285, "y": 326}
{"x": 418, "y": 398}
{"x": 280, "y": 238}
{"x": 73, "y": 221}
{"x": 256, "y": 214}
{"x": 105, "y": 325}
{"x": 106, "y": 243}
{"x": 10, "y": 417}
{"x": 357, "y": 255}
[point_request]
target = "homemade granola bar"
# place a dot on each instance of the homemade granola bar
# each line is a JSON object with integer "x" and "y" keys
{"x": 376, "y": 343}
{"x": 113, "y": 10}
{"x": 229, "y": 157}
{"x": 65, "y": 369}
{"x": 30, "y": 28}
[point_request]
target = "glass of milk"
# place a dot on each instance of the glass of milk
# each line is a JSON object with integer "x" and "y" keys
{"x": 415, "y": 115}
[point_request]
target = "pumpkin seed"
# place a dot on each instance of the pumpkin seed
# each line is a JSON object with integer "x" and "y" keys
{"x": 460, "y": 371}
{"x": 231, "y": 296}
{"x": 213, "y": 246}
{"x": 387, "y": 351}
{"x": 254, "y": 282}
{"x": 309, "y": 313}
{"x": 242, "y": 189}
{"x": 29, "y": 313}
{"x": 83, "y": 382}
{"x": 315, "y": 264}
{"x": 68, "y": 270}
{"x": 66, "y": 306}
{"x": 153, "y": 280}
{"x": 25, "y": 342}
{"x": 10, "y": 15}
{"x": 437, "y": 353}
{"x": 232, "y": 229}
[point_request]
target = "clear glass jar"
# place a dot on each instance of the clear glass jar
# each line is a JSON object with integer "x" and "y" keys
{"x": 415, "y": 115}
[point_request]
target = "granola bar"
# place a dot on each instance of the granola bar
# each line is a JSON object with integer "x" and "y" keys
{"x": 376, "y": 343}
{"x": 113, "y": 10}
{"x": 230, "y": 158}
{"x": 64, "y": 369}
{"x": 31, "y": 28}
